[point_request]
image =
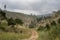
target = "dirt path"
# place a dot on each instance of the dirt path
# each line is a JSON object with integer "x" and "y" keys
{"x": 34, "y": 35}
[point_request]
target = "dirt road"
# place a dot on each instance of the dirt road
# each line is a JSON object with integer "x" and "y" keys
{"x": 34, "y": 35}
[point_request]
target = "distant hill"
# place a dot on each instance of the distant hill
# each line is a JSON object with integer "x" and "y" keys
{"x": 26, "y": 18}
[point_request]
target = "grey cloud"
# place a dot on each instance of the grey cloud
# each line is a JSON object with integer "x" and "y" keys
{"x": 43, "y": 7}
{"x": 47, "y": 6}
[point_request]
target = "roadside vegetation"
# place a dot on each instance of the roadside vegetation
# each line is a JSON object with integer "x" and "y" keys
{"x": 8, "y": 30}
{"x": 50, "y": 32}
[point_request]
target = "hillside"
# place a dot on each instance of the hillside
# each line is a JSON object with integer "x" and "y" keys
{"x": 26, "y": 18}
{"x": 43, "y": 19}
{"x": 32, "y": 28}
{"x": 49, "y": 29}
{"x": 49, "y": 19}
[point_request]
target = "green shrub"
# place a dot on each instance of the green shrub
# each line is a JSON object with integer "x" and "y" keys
{"x": 47, "y": 26}
{"x": 2, "y": 15}
{"x": 53, "y": 23}
{"x": 39, "y": 19}
{"x": 41, "y": 28}
{"x": 11, "y": 21}
{"x": 19, "y": 21}
{"x": 59, "y": 20}
{"x": 13, "y": 36}
{"x": 32, "y": 24}
{"x": 3, "y": 26}
{"x": 54, "y": 32}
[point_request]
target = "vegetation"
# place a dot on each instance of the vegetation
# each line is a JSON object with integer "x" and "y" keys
{"x": 59, "y": 20}
{"x": 3, "y": 26}
{"x": 14, "y": 36}
{"x": 47, "y": 27}
{"x": 41, "y": 28}
{"x": 53, "y": 23}
{"x": 2, "y": 15}
{"x": 19, "y": 21}
{"x": 11, "y": 21}
{"x": 8, "y": 31}
{"x": 11, "y": 33}
{"x": 39, "y": 19}
{"x": 53, "y": 32}
{"x": 32, "y": 24}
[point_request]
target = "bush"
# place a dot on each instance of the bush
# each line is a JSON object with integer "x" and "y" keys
{"x": 41, "y": 28}
{"x": 11, "y": 21}
{"x": 32, "y": 24}
{"x": 3, "y": 26}
{"x": 53, "y": 23}
{"x": 2, "y": 14}
{"x": 59, "y": 20}
{"x": 47, "y": 26}
{"x": 19, "y": 21}
{"x": 54, "y": 32}
{"x": 39, "y": 19}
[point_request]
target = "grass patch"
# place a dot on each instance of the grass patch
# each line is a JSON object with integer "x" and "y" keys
{"x": 13, "y": 36}
{"x": 22, "y": 33}
{"x": 52, "y": 34}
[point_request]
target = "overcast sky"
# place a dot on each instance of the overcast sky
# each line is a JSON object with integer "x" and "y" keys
{"x": 37, "y": 7}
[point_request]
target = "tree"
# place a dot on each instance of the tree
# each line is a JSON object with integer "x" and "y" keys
{"x": 19, "y": 21}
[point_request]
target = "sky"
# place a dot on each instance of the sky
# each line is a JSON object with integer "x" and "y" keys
{"x": 35, "y": 7}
